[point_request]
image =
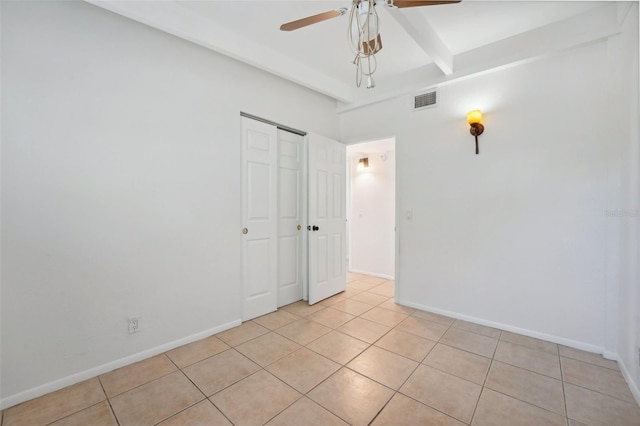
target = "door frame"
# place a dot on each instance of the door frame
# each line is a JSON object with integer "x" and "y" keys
{"x": 398, "y": 215}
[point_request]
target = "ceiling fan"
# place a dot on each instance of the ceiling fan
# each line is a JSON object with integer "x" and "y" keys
{"x": 363, "y": 31}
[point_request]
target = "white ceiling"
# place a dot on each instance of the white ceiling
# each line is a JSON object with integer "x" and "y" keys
{"x": 422, "y": 46}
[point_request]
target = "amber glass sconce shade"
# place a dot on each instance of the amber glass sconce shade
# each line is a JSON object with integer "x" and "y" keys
{"x": 474, "y": 119}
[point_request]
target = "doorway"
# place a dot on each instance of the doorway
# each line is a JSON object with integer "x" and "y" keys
{"x": 371, "y": 208}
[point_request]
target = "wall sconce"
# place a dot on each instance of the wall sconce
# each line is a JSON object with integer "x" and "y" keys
{"x": 474, "y": 118}
{"x": 363, "y": 163}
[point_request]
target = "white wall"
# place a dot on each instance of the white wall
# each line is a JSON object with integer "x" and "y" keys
{"x": 372, "y": 210}
{"x": 515, "y": 236}
{"x": 120, "y": 188}
{"x": 627, "y": 221}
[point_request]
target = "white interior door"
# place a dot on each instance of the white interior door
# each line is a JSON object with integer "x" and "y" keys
{"x": 259, "y": 218}
{"x": 290, "y": 161}
{"x": 327, "y": 218}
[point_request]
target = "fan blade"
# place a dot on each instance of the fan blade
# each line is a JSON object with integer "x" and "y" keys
{"x": 410, "y": 3}
{"x": 309, "y": 20}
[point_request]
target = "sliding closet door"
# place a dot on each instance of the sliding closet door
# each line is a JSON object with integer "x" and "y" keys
{"x": 259, "y": 218}
{"x": 290, "y": 162}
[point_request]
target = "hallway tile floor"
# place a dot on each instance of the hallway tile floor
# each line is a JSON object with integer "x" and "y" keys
{"x": 356, "y": 358}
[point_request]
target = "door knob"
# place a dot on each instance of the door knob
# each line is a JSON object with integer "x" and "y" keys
{"x": 299, "y": 227}
{"x": 245, "y": 231}
{"x": 315, "y": 228}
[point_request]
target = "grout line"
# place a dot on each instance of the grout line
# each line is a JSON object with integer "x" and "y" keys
{"x": 326, "y": 409}
{"x": 321, "y": 382}
{"x": 316, "y": 386}
{"x": 79, "y": 411}
{"x": 484, "y": 383}
{"x": 113, "y": 412}
{"x": 280, "y": 326}
{"x": 529, "y": 370}
{"x": 482, "y": 387}
{"x": 231, "y": 384}
{"x": 451, "y": 374}
{"x": 395, "y": 392}
{"x": 313, "y": 340}
{"x": 279, "y": 357}
{"x": 433, "y": 408}
{"x": 291, "y": 386}
{"x": 142, "y": 384}
{"x": 285, "y": 408}
{"x": 604, "y": 394}
{"x": 429, "y": 352}
{"x": 332, "y": 360}
{"x": 248, "y": 340}
{"x": 302, "y": 395}
{"x": 449, "y": 345}
{"x": 526, "y": 402}
{"x": 189, "y": 379}
{"x": 529, "y": 347}
{"x": 178, "y": 412}
{"x": 590, "y": 364}
{"x": 564, "y": 395}
{"x": 482, "y": 390}
{"x": 371, "y": 378}
{"x": 219, "y": 410}
{"x": 400, "y": 355}
{"x": 204, "y": 359}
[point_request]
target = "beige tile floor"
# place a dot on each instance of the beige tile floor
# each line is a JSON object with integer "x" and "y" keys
{"x": 356, "y": 358}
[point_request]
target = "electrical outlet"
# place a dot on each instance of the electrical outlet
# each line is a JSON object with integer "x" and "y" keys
{"x": 134, "y": 325}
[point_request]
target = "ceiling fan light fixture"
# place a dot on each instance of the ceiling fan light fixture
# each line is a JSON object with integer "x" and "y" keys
{"x": 363, "y": 32}
{"x": 364, "y": 38}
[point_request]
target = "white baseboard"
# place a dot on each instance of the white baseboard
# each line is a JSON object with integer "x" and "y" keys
{"x": 543, "y": 336}
{"x": 373, "y": 274}
{"x": 32, "y": 393}
{"x": 633, "y": 386}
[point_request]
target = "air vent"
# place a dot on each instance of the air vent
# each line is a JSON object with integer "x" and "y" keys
{"x": 425, "y": 100}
